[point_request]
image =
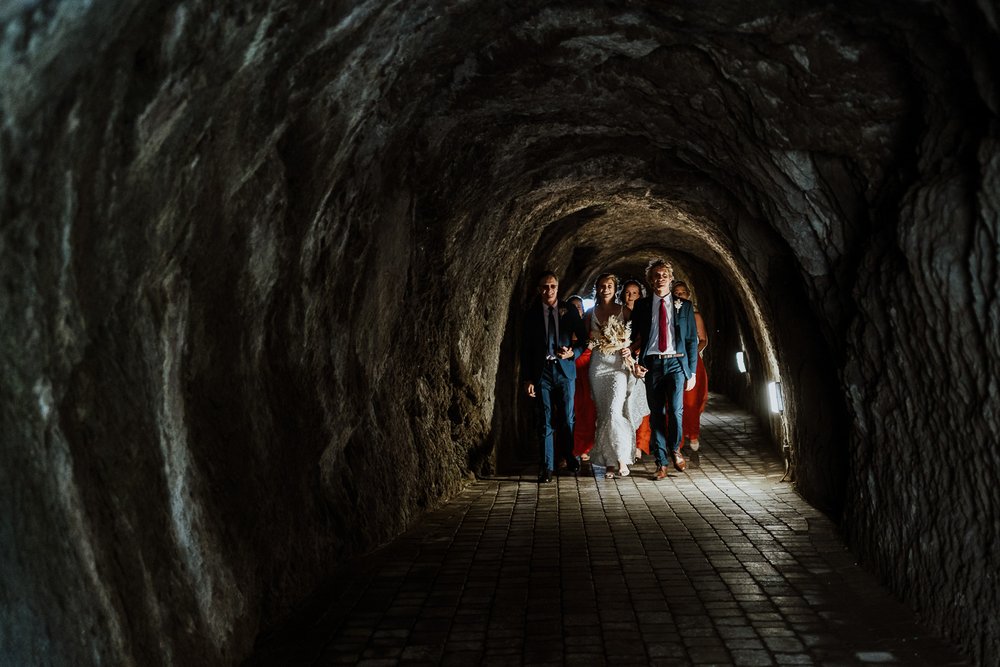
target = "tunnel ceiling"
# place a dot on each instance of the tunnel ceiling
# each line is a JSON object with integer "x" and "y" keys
{"x": 720, "y": 114}
{"x": 725, "y": 114}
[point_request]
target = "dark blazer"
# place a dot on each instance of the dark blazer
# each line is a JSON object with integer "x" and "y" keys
{"x": 685, "y": 331}
{"x": 534, "y": 344}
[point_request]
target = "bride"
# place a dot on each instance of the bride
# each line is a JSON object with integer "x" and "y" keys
{"x": 619, "y": 397}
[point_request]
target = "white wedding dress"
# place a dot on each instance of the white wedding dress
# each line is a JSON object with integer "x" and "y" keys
{"x": 620, "y": 403}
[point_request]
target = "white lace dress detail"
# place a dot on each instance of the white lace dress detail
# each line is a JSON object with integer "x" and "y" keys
{"x": 620, "y": 403}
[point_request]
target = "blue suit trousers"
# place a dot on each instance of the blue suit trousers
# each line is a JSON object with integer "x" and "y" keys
{"x": 555, "y": 413}
{"x": 665, "y": 394}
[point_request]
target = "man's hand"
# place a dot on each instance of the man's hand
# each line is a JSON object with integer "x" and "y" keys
{"x": 692, "y": 381}
{"x": 640, "y": 371}
{"x": 565, "y": 353}
{"x": 529, "y": 387}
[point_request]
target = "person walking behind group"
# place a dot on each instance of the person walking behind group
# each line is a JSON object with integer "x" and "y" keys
{"x": 548, "y": 371}
{"x": 666, "y": 341}
{"x": 695, "y": 399}
{"x": 632, "y": 291}
{"x": 585, "y": 417}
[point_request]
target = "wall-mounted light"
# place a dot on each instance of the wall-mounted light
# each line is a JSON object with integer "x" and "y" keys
{"x": 776, "y": 397}
{"x": 741, "y": 362}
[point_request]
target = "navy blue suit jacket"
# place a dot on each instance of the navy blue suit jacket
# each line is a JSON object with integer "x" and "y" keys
{"x": 685, "y": 332}
{"x": 534, "y": 344}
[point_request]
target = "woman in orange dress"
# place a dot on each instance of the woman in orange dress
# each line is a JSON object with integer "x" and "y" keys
{"x": 632, "y": 291}
{"x": 584, "y": 413}
{"x": 696, "y": 399}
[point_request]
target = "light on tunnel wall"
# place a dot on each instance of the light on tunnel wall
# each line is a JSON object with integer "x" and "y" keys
{"x": 776, "y": 397}
{"x": 588, "y": 304}
{"x": 741, "y": 362}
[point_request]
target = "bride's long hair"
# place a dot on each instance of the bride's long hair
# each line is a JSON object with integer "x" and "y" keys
{"x": 601, "y": 278}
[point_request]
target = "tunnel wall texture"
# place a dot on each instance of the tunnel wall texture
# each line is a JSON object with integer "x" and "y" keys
{"x": 257, "y": 264}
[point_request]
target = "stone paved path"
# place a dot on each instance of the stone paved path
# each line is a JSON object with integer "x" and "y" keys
{"x": 723, "y": 565}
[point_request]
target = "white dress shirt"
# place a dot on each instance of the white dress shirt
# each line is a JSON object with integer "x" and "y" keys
{"x": 653, "y": 345}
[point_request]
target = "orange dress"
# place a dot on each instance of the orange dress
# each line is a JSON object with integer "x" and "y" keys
{"x": 695, "y": 402}
{"x": 642, "y": 435}
{"x": 584, "y": 412}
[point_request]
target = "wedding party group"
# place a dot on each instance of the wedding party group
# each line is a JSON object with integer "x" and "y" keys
{"x": 624, "y": 377}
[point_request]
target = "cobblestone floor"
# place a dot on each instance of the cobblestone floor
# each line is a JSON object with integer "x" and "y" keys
{"x": 722, "y": 565}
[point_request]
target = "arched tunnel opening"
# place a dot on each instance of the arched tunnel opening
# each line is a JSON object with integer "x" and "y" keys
{"x": 622, "y": 236}
{"x": 262, "y": 268}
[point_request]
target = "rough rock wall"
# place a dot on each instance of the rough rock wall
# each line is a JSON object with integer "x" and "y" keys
{"x": 257, "y": 265}
{"x": 226, "y": 360}
{"x": 920, "y": 373}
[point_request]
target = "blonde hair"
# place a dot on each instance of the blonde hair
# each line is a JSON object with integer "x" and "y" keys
{"x": 656, "y": 264}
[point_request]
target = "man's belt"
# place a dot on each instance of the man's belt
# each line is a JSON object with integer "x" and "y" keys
{"x": 666, "y": 356}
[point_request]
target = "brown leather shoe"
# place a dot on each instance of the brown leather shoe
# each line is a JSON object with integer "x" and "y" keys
{"x": 661, "y": 473}
{"x": 679, "y": 463}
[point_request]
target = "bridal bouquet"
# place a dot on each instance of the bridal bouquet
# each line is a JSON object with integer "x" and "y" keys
{"x": 615, "y": 336}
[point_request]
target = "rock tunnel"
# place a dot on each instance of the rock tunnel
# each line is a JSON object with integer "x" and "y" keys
{"x": 263, "y": 265}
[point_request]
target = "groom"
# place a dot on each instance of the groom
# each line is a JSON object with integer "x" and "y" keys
{"x": 548, "y": 369}
{"x": 665, "y": 340}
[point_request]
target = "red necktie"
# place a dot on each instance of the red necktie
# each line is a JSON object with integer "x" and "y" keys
{"x": 663, "y": 337}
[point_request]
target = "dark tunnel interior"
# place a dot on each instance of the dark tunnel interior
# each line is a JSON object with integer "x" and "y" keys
{"x": 258, "y": 260}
